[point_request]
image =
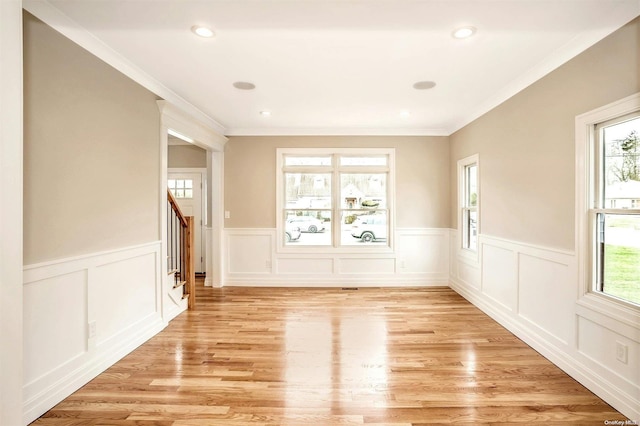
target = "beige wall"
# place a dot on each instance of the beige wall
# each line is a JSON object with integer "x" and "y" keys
{"x": 526, "y": 145}
{"x": 91, "y": 154}
{"x": 187, "y": 156}
{"x": 422, "y": 177}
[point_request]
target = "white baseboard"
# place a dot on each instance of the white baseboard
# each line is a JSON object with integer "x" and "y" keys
{"x": 338, "y": 282}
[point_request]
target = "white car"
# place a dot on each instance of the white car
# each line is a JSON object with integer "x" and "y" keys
{"x": 291, "y": 232}
{"x": 370, "y": 227}
{"x": 306, "y": 223}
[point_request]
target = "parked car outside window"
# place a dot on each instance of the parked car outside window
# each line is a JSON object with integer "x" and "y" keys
{"x": 370, "y": 227}
{"x": 306, "y": 223}
{"x": 291, "y": 232}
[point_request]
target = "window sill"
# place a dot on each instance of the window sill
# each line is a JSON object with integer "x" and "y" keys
{"x": 469, "y": 257}
{"x": 618, "y": 310}
{"x": 330, "y": 250}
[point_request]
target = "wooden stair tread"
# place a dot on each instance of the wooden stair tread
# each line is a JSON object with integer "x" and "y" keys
{"x": 179, "y": 284}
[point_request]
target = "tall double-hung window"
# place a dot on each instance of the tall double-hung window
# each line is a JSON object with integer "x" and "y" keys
{"x": 335, "y": 197}
{"x": 614, "y": 212}
{"x": 468, "y": 191}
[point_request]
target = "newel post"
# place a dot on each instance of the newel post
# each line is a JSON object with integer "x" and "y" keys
{"x": 190, "y": 262}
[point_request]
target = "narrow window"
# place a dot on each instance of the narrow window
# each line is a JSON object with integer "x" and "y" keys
{"x": 469, "y": 202}
{"x": 615, "y": 213}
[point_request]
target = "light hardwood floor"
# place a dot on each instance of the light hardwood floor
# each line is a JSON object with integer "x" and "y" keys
{"x": 410, "y": 356}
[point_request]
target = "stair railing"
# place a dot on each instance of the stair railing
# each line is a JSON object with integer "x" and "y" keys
{"x": 180, "y": 250}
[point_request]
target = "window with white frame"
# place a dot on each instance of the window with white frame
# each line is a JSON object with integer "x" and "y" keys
{"x": 469, "y": 201}
{"x": 335, "y": 197}
{"x": 614, "y": 213}
{"x": 181, "y": 188}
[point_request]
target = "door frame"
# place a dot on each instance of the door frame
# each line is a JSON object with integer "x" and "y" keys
{"x": 202, "y": 171}
{"x": 209, "y": 139}
{"x": 11, "y": 226}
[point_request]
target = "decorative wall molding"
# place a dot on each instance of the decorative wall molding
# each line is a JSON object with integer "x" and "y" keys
{"x": 421, "y": 258}
{"x": 203, "y": 133}
{"x": 530, "y": 290}
{"x": 533, "y": 291}
{"x": 105, "y": 305}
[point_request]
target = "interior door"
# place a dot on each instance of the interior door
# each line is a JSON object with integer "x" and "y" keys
{"x": 187, "y": 190}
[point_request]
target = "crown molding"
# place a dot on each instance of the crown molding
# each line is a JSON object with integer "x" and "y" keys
{"x": 324, "y": 131}
{"x": 607, "y": 24}
{"x": 60, "y": 22}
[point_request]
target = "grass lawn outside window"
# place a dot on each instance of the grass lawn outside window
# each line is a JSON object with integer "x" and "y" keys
{"x": 622, "y": 277}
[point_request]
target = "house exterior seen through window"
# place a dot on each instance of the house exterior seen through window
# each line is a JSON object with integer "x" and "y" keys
{"x": 615, "y": 212}
{"x": 335, "y": 197}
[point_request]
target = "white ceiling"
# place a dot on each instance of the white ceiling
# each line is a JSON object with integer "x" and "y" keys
{"x": 338, "y": 67}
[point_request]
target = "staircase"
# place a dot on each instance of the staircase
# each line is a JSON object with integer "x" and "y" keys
{"x": 180, "y": 254}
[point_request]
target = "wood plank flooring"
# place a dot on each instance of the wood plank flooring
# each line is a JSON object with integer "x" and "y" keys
{"x": 396, "y": 357}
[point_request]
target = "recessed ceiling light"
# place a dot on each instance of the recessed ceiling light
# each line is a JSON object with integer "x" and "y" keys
{"x": 405, "y": 114}
{"x": 265, "y": 113}
{"x": 244, "y": 85}
{"x": 202, "y": 31}
{"x": 464, "y": 32}
{"x": 424, "y": 85}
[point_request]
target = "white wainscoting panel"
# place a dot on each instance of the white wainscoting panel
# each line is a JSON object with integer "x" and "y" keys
{"x": 123, "y": 294}
{"x": 423, "y": 251}
{"x": 421, "y": 258}
{"x": 547, "y": 294}
{"x": 66, "y": 336}
{"x": 469, "y": 272}
{"x": 367, "y": 266}
{"x": 250, "y": 252}
{"x": 499, "y": 275}
{"x": 599, "y": 344}
{"x": 534, "y": 292}
{"x": 310, "y": 265}
{"x": 598, "y": 338}
{"x": 463, "y": 268}
{"x": 83, "y": 314}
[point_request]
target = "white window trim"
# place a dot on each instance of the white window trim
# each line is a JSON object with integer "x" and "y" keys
{"x": 584, "y": 238}
{"x": 465, "y": 253}
{"x": 335, "y": 248}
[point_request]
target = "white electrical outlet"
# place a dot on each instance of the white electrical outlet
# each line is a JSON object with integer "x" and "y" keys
{"x": 92, "y": 329}
{"x": 227, "y": 214}
{"x": 622, "y": 352}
